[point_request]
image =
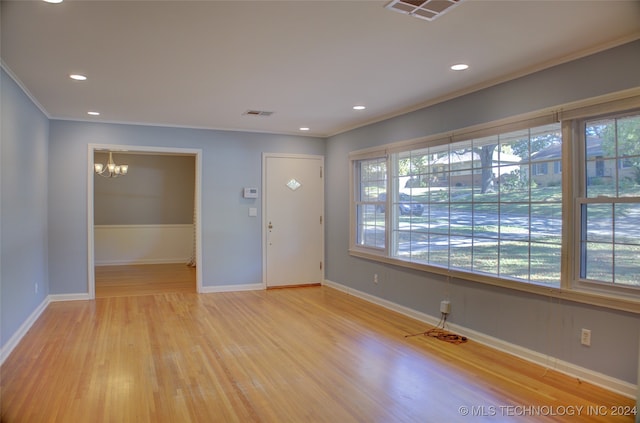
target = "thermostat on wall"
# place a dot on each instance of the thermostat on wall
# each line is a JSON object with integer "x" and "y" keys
{"x": 250, "y": 193}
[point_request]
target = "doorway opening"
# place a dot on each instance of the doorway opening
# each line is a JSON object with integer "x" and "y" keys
{"x": 139, "y": 258}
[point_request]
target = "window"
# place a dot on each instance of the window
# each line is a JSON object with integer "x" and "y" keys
{"x": 609, "y": 212}
{"x": 471, "y": 206}
{"x": 539, "y": 169}
{"x": 625, "y": 164}
{"x": 370, "y": 201}
{"x": 548, "y": 204}
{"x": 557, "y": 166}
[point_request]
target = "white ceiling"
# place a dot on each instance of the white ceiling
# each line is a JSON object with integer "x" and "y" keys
{"x": 202, "y": 64}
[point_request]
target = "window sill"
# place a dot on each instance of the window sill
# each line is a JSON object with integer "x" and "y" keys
{"x": 581, "y": 296}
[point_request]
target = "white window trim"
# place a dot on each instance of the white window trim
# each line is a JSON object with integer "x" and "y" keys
{"x": 368, "y": 154}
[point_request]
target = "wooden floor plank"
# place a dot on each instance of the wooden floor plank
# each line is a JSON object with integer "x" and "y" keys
{"x": 144, "y": 279}
{"x": 288, "y": 355}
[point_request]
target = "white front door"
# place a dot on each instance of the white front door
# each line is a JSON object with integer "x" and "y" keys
{"x": 293, "y": 219}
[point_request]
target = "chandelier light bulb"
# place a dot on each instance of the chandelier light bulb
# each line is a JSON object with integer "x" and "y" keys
{"x": 110, "y": 170}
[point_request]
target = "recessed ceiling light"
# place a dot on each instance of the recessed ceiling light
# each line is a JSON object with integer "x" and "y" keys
{"x": 94, "y": 113}
{"x": 53, "y": 1}
{"x": 459, "y": 67}
{"x": 304, "y": 128}
{"x": 78, "y": 77}
{"x": 359, "y": 107}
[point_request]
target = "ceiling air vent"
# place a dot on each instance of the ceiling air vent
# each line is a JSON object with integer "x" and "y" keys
{"x": 257, "y": 113}
{"x": 423, "y": 9}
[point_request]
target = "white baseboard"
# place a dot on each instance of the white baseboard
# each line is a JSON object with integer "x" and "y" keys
{"x": 232, "y": 288}
{"x": 615, "y": 385}
{"x": 7, "y": 348}
{"x": 68, "y": 297}
{"x": 142, "y": 261}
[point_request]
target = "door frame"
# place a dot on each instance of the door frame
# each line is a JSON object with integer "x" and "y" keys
{"x": 265, "y": 156}
{"x": 91, "y": 149}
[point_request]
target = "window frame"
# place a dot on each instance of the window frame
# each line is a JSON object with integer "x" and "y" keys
{"x": 356, "y": 202}
{"x": 568, "y": 114}
{"x": 580, "y": 174}
{"x": 354, "y": 194}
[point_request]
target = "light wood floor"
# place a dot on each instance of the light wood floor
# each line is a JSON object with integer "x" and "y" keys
{"x": 145, "y": 279}
{"x": 287, "y": 355}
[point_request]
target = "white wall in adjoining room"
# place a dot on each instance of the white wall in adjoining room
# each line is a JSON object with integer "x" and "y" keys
{"x": 142, "y": 244}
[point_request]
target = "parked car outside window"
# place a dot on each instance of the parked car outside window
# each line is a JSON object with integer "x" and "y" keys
{"x": 405, "y": 205}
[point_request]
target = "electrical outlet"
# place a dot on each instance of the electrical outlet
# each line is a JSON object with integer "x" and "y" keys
{"x": 375, "y": 278}
{"x": 445, "y": 306}
{"x": 36, "y": 289}
{"x": 585, "y": 337}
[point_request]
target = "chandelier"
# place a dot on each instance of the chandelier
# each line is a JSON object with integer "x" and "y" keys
{"x": 111, "y": 170}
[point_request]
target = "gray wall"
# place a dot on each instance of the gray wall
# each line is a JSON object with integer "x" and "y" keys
{"x": 546, "y": 325}
{"x": 157, "y": 190}
{"x": 23, "y": 207}
{"x": 231, "y": 241}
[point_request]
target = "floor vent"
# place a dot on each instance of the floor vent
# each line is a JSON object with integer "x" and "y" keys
{"x": 423, "y": 9}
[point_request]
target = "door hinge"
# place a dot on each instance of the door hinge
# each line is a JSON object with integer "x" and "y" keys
{"x": 321, "y": 171}
{"x": 320, "y": 265}
{"x": 321, "y": 220}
